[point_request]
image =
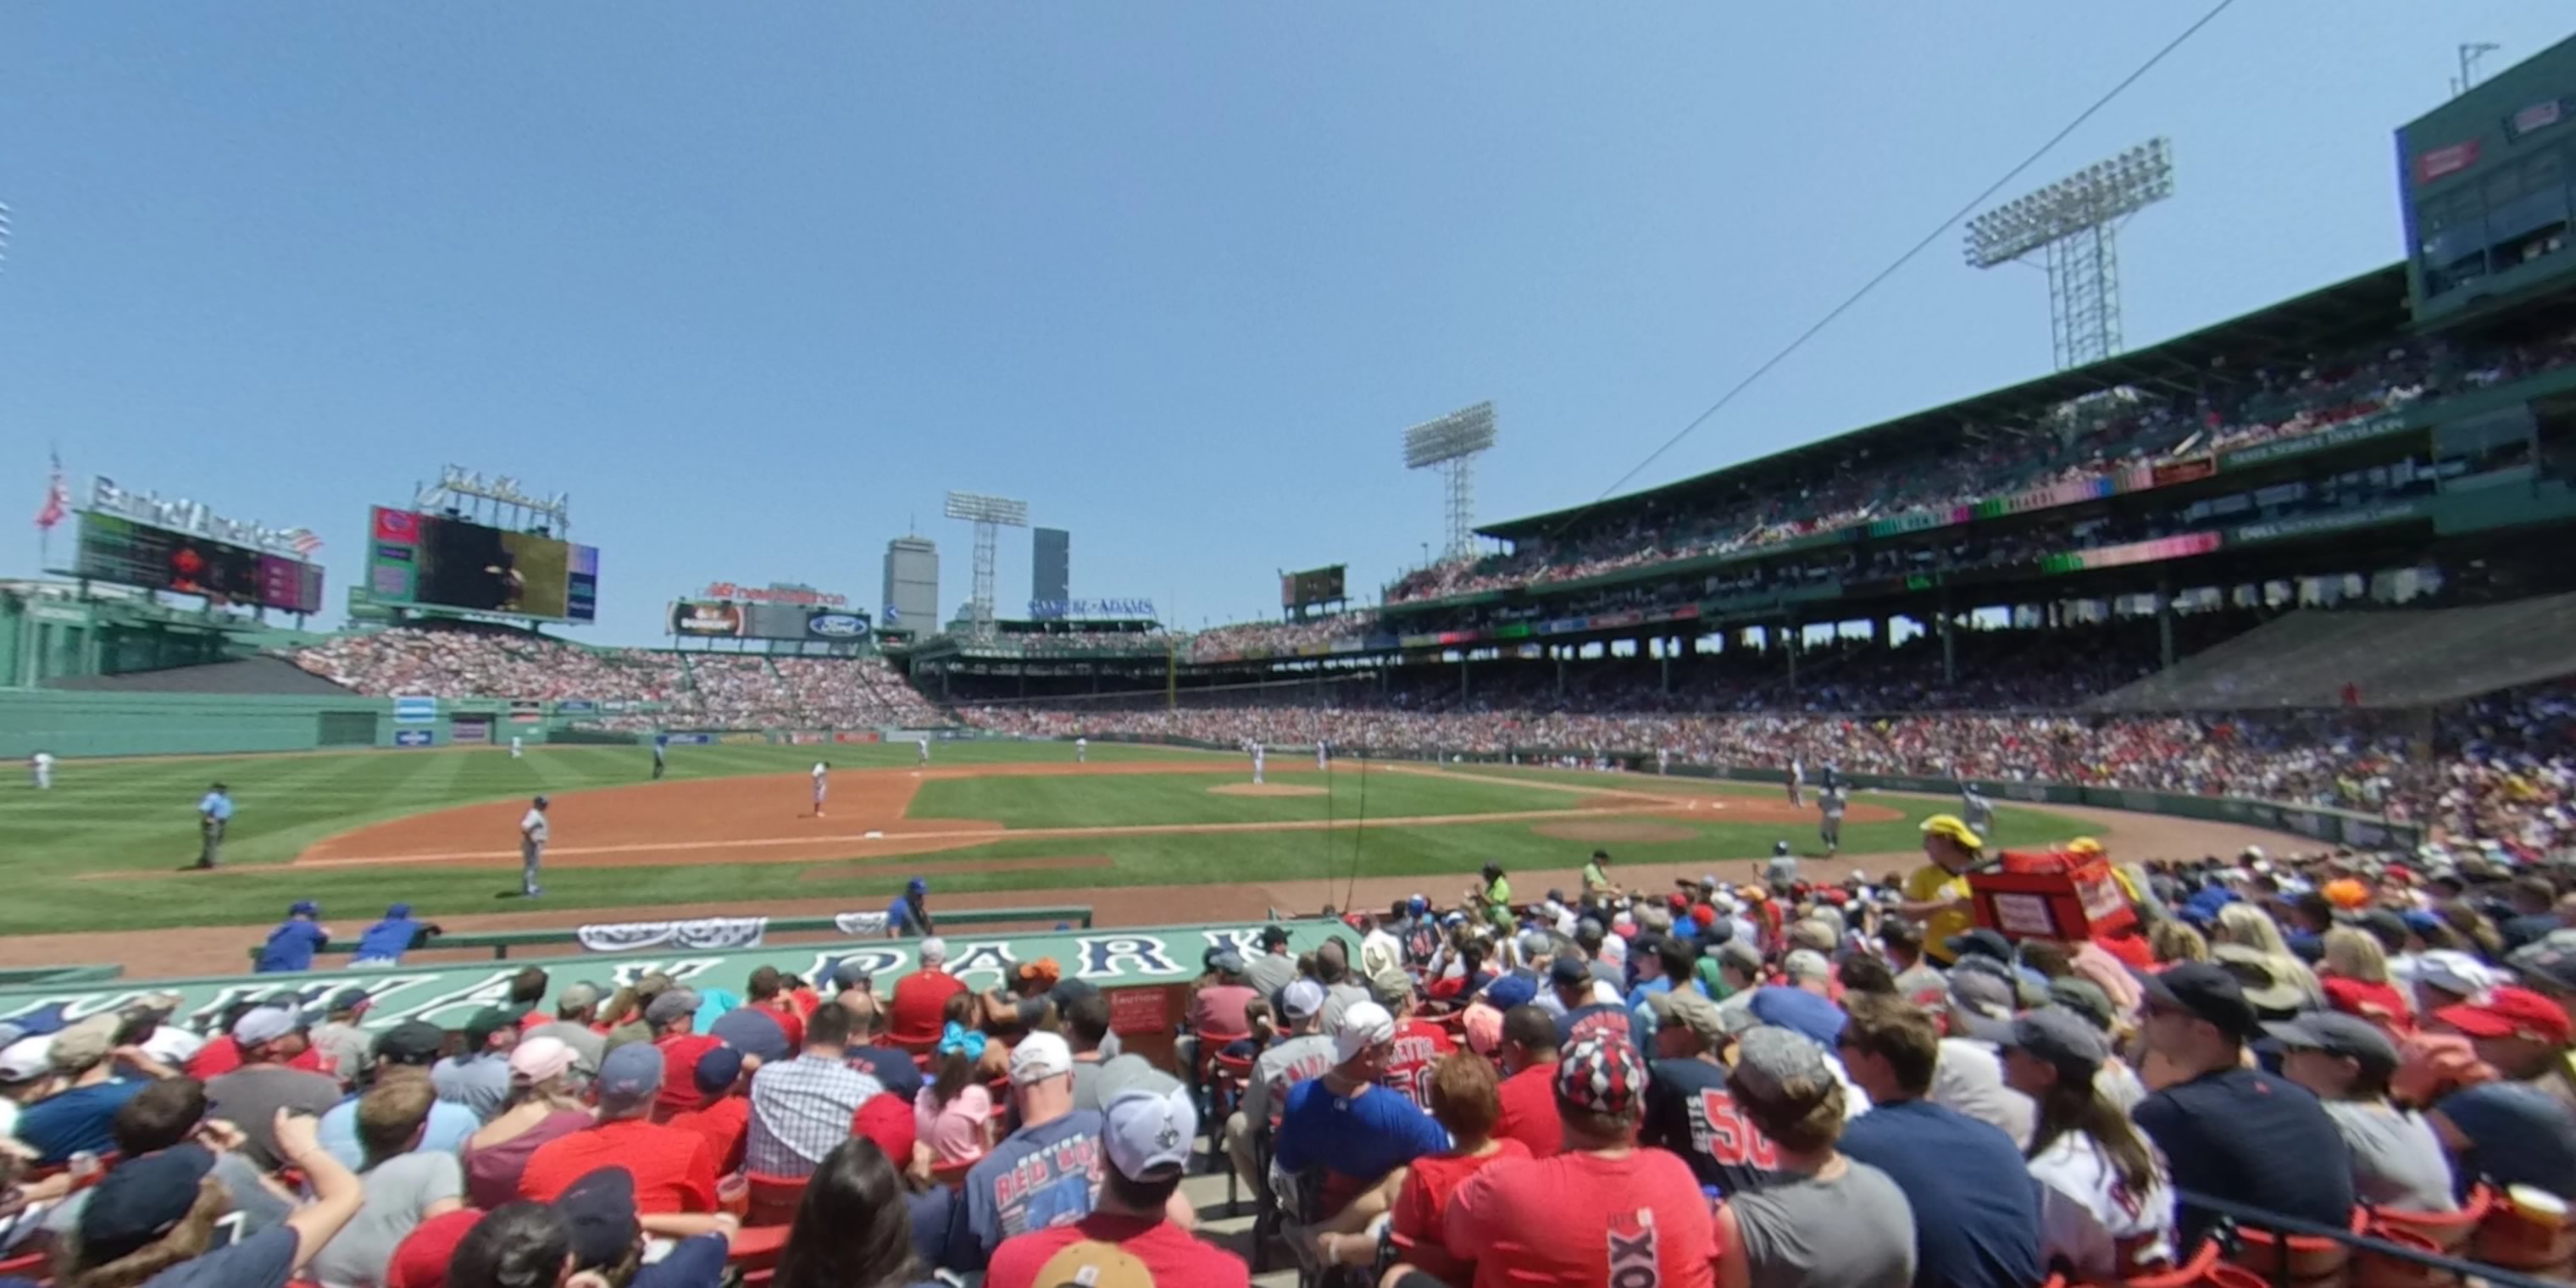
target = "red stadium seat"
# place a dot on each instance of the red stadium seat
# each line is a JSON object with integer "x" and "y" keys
{"x": 773, "y": 1199}
{"x": 30, "y": 1266}
{"x": 952, "y": 1175}
{"x": 2508, "y": 1239}
{"x": 2314, "y": 1262}
{"x": 2447, "y": 1233}
{"x": 754, "y": 1255}
{"x": 2189, "y": 1273}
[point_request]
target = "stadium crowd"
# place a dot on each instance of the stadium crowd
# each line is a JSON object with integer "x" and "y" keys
{"x": 1825, "y": 1080}
{"x": 2077, "y": 449}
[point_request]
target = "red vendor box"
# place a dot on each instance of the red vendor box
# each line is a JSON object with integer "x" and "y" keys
{"x": 2050, "y": 895}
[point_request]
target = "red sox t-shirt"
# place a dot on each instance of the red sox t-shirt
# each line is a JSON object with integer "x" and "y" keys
{"x": 1419, "y": 1044}
{"x": 1586, "y": 1221}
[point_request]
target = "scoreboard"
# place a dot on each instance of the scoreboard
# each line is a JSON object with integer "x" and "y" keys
{"x": 117, "y": 549}
{"x": 1315, "y": 586}
{"x": 2487, "y": 181}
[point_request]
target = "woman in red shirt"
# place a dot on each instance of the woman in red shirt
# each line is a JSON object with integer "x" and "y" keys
{"x": 1466, "y": 1099}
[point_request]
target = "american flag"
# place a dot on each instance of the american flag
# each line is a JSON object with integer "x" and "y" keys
{"x": 305, "y": 542}
{"x": 58, "y": 499}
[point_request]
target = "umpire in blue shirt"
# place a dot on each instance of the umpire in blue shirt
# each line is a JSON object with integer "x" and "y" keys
{"x": 214, "y": 813}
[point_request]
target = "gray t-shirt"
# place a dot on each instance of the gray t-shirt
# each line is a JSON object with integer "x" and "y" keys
{"x": 399, "y": 1192}
{"x": 1095, "y": 1084}
{"x": 1854, "y": 1231}
{"x": 588, "y": 1045}
{"x": 1337, "y": 999}
{"x": 479, "y": 1082}
{"x": 345, "y": 1045}
{"x": 2396, "y": 1160}
{"x": 249, "y": 1098}
{"x": 1270, "y": 972}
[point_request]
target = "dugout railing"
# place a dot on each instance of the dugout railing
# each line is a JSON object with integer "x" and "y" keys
{"x": 500, "y": 942}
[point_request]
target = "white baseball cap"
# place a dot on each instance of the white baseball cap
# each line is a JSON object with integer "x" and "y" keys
{"x": 1039, "y": 1056}
{"x": 1364, "y": 1025}
{"x": 1148, "y": 1135}
{"x": 27, "y": 1059}
{"x": 2453, "y": 971}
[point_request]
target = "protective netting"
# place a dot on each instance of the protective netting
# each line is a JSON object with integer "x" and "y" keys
{"x": 2369, "y": 658}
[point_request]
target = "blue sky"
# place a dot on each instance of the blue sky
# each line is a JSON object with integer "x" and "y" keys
{"x": 757, "y": 282}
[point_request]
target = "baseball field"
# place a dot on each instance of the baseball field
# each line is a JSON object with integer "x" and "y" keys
{"x": 108, "y": 847}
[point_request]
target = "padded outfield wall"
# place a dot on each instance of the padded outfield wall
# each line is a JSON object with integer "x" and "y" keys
{"x": 74, "y": 723}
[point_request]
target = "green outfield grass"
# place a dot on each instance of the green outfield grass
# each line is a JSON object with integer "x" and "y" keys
{"x": 139, "y": 817}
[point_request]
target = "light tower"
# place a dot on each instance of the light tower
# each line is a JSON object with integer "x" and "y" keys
{"x": 1452, "y": 444}
{"x": 2073, "y": 224}
{"x": 989, "y": 514}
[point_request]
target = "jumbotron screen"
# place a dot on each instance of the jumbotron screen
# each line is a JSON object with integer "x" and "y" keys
{"x": 1315, "y": 586}
{"x": 430, "y": 560}
{"x": 120, "y": 550}
{"x": 725, "y": 619}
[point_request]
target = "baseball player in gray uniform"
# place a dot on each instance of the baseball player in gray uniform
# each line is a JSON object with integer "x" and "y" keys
{"x": 1829, "y": 803}
{"x": 532, "y": 847}
{"x": 1975, "y": 810}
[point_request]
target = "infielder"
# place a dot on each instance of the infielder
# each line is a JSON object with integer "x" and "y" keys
{"x": 532, "y": 847}
{"x": 214, "y": 814}
{"x": 822, "y": 784}
{"x": 1323, "y": 756}
{"x": 42, "y": 766}
{"x": 1663, "y": 761}
{"x": 1081, "y": 751}
{"x": 1978, "y": 812}
{"x": 1797, "y": 782}
{"x": 658, "y": 743}
{"x": 924, "y": 745}
{"x": 1256, "y": 764}
{"x": 1829, "y": 803}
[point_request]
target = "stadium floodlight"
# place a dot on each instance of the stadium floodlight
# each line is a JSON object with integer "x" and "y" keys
{"x": 2072, "y": 224}
{"x": 1451, "y": 445}
{"x": 989, "y": 514}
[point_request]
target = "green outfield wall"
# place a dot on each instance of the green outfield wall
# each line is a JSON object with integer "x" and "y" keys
{"x": 89, "y": 722}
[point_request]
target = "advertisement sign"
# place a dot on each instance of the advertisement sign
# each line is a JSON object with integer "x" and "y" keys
{"x": 837, "y": 626}
{"x": 693, "y": 620}
{"x": 793, "y": 595}
{"x": 1044, "y": 610}
{"x": 688, "y": 739}
{"x": 2445, "y": 161}
{"x": 738, "y": 739}
{"x": 430, "y": 560}
{"x": 526, "y": 711}
{"x": 415, "y": 710}
{"x": 413, "y": 738}
{"x": 576, "y": 707}
{"x": 470, "y": 729}
{"x": 870, "y": 736}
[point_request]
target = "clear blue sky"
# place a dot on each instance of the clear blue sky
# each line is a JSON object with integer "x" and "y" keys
{"x": 757, "y": 282}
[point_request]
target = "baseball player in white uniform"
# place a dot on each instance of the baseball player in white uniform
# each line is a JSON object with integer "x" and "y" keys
{"x": 1323, "y": 756}
{"x": 822, "y": 785}
{"x": 924, "y": 745}
{"x": 1797, "y": 780}
{"x": 532, "y": 847}
{"x": 1081, "y": 750}
{"x": 41, "y": 765}
{"x": 1975, "y": 810}
{"x": 514, "y": 746}
{"x": 1256, "y": 764}
{"x": 1663, "y": 760}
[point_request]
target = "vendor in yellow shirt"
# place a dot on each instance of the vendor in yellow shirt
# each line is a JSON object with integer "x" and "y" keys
{"x": 1936, "y": 894}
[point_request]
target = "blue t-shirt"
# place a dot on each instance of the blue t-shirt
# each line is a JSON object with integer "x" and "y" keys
{"x": 893, "y": 1069}
{"x": 1976, "y": 1206}
{"x": 291, "y": 946}
{"x": 1362, "y": 1137}
{"x": 70, "y": 1122}
{"x": 264, "y": 1260}
{"x": 1036, "y": 1179}
{"x": 389, "y": 938}
{"x": 2252, "y": 1138}
{"x": 697, "y": 1262}
{"x": 450, "y": 1124}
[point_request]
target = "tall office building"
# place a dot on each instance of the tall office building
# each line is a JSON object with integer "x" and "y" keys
{"x": 911, "y": 599}
{"x": 1050, "y": 565}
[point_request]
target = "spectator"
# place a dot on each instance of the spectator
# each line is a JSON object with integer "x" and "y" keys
{"x": 1936, "y": 894}
{"x": 291, "y": 946}
{"x": 576, "y": 1025}
{"x": 338, "y": 1037}
{"x": 1419, "y": 1044}
{"x": 2227, "y": 1131}
{"x": 1355, "y": 1131}
{"x": 909, "y": 914}
{"x": 608, "y": 1238}
{"x": 757, "y": 1030}
{"x": 1275, "y": 968}
{"x": 542, "y": 1107}
{"x": 1976, "y": 1218}
{"x": 2354, "y": 975}
{"x": 1586, "y": 1015}
{"x": 952, "y": 1112}
{"x": 478, "y": 1075}
{"x": 673, "y": 1018}
{"x": 1599, "y": 1210}
{"x": 1528, "y": 1091}
{"x": 1341, "y": 992}
{"x": 403, "y": 1053}
{"x": 1688, "y": 1108}
{"x": 385, "y": 942}
{"x": 1822, "y": 1218}
{"x": 80, "y": 1115}
{"x": 723, "y": 1116}
{"x": 801, "y": 1108}
{"x": 2346, "y": 1062}
{"x": 2508, "y": 1134}
{"x": 674, "y": 1168}
{"x": 892, "y": 1067}
{"x": 151, "y": 1220}
{"x": 1147, "y": 1140}
{"x": 1465, "y": 1104}
{"x": 1217, "y": 1008}
{"x": 2105, "y": 1204}
{"x": 851, "y": 1230}
{"x": 2523, "y": 1034}
{"x": 404, "y": 1185}
{"x": 1039, "y": 1176}
{"x": 624, "y": 1012}
{"x": 253, "y": 1094}
{"x": 1303, "y": 1054}
{"x": 165, "y": 1114}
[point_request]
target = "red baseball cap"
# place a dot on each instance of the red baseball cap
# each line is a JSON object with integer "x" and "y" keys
{"x": 420, "y": 1260}
{"x": 887, "y": 1120}
{"x": 2509, "y": 1012}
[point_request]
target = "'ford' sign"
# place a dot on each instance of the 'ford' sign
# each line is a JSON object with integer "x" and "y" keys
{"x": 837, "y": 626}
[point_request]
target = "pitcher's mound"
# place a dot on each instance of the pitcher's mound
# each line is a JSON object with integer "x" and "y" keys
{"x": 1265, "y": 789}
{"x": 1601, "y": 833}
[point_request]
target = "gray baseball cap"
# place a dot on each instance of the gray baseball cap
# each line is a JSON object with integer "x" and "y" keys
{"x": 2061, "y": 1037}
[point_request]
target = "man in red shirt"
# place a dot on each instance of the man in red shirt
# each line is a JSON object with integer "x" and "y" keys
{"x": 673, "y": 1017}
{"x": 1601, "y": 1213}
{"x": 1419, "y": 1043}
{"x": 922, "y": 996}
{"x": 674, "y": 1168}
{"x": 1128, "y": 1238}
{"x": 1529, "y": 1087}
{"x": 723, "y": 1076}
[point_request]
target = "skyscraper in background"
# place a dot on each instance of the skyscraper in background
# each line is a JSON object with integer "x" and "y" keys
{"x": 1050, "y": 565}
{"x": 911, "y": 599}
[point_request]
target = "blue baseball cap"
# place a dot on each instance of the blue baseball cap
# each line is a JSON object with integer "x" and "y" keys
{"x": 1510, "y": 991}
{"x": 718, "y": 1069}
{"x": 140, "y": 1200}
{"x": 917, "y": 886}
{"x": 399, "y": 910}
{"x": 305, "y": 908}
{"x": 1799, "y": 1011}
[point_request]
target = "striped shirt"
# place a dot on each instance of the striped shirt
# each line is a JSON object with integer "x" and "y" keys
{"x": 800, "y": 1109}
